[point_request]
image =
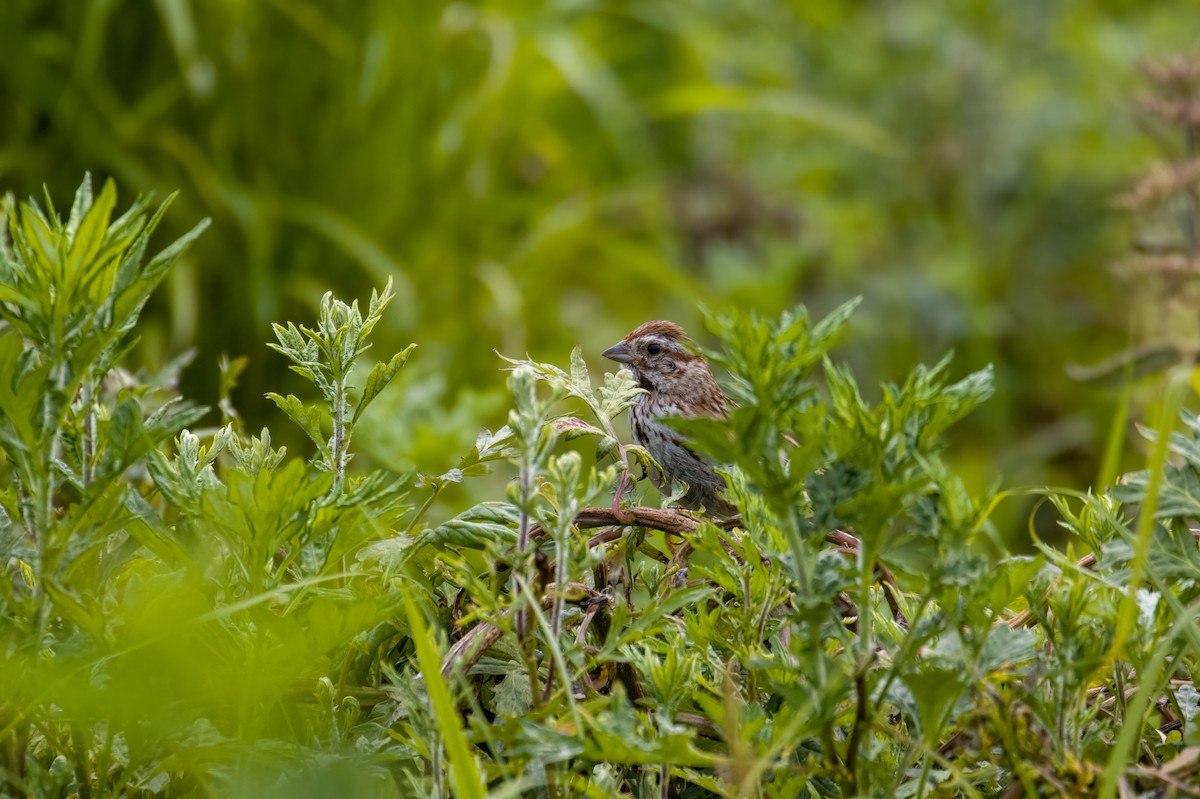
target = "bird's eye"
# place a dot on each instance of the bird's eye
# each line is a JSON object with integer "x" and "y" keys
{"x": 654, "y": 349}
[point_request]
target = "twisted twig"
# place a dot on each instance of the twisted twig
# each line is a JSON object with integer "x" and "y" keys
{"x": 467, "y": 650}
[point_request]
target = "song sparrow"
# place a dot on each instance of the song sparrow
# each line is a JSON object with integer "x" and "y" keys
{"x": 678, "y": 382}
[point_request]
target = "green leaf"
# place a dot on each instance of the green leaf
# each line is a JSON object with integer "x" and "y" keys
{"x": 488, "y": 522}
{"x": 512, "y": 697}
{"x": 22, "y": 387}
{"x": 90, "y": 236}
{"x": 832, "y": 326}
{"x": 162, "y": 261}
{"x": 381, "y": 374}
{"x": 307, "y": 416}
{"x": 621, "y": 736}
{"x": 125, "y": 429}
{"x": 935, "y": 691}
{"x": 1188, "y": 699}
{"x": 379, "y": 302}
{"x": 571, "y": 428}
{"x": 700, "y": 98}
{"x": 83, "y": 201}
{"x": 620, "y": 390}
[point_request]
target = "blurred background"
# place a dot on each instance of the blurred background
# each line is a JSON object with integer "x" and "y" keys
{"x": 536, "y": 175}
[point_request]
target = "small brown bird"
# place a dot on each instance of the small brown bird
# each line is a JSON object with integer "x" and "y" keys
{"x": 678, "y": 382}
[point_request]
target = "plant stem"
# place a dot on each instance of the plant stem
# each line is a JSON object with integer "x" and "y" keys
{"x": 525, "y": 642}
{"x": 425, "y": 506}
{"x": 339, "y": 443}
{"x": 526, "y": 482}
{"x": 522, "y": 581}
{"x": 561, "y": 576}
{"x": 45, "y": 492}
{"x": 53, "y": 453}
{"x": 88, "y": 393}
{"x": 622, "y": 458}
{"x": 83, "y": 768}
{"x": 860, "y": 722}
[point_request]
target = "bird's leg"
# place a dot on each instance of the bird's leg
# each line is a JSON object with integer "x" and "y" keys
{"x": 617, "y": 510}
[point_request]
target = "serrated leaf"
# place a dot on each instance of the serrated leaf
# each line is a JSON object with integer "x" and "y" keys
{"x": 488, "y": 447}
{"x": 308, "y": 417}
{"x": 1007, "y": 648}
{"x": 1189, "y": 702}
{"x": 488, "y": 522}
{"x": 1184, "y": 445}
{"x": 969, "y": 392}
{"x": 379, "y": 302}
{"x": 381, "y": 374}
{"x": 934, "y": 690}
{"x": 620, "y": 390}
{"x": 513, "y": 696}
{"x": 579, "y": 383}
{"x": 488, "y": 443}
{"x": 453, "y": 476}
{"x": 571, "y": 428}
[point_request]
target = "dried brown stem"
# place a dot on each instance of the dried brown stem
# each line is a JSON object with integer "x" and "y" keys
{"x": 891, "y": 590}
{"x": 466, "y": 651}
{"x": 860, "y": 723}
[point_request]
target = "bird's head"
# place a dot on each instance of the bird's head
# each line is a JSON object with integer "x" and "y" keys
{"x": 659, "y": 355}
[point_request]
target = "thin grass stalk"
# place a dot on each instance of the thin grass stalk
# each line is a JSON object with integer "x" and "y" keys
{"x": 464, "y": 771}
{"x": 1168, "y": 412}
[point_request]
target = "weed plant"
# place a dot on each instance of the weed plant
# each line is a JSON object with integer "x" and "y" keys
{"x": 195, "y": 612}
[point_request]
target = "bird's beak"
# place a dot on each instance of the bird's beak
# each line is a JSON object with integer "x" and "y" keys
{"x": 619, "y": 353}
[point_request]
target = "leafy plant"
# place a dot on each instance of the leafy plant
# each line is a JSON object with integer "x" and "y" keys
{"x": 209, "y": 616}
{"x": 70, "y": 294}
{"x": 325, "y": 356}
{"x": 160, "y": 610}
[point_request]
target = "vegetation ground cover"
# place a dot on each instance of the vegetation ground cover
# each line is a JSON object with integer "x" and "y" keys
{"x": 198, "y": 612}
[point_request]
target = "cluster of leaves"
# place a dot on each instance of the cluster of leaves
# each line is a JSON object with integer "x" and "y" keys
{"x": 163, "y": 611}
{"x": 212, "y": 617}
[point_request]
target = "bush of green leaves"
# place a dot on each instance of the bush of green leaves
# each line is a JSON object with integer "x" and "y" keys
{"x": 194, "y": 612}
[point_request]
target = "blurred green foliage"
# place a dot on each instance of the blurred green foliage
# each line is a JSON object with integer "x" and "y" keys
{"x": 535, "y": 175}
